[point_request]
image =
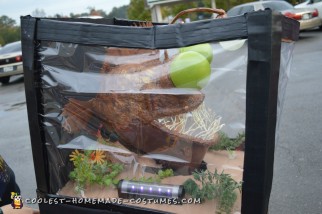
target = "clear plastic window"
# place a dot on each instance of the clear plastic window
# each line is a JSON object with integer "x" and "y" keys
{"x": 157, "y": 126}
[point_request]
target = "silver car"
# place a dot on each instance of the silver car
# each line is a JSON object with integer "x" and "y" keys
{"x": 308, "y": 17}
{"x": 316, "y": 4}
{"x": 10, "y": 61}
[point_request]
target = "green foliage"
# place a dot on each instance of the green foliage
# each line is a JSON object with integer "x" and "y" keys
{"x": 226, "y": 143}
{"x": 174, "y": 9}
{"x": 226, "y": 193}
{"x": 8, "y": 31}
{"x": 138, "y": 11}
{"x": 157, "y": 179}
{"x": 213, "y": 186}
{"x": 87, "y": 171}
{"x": 7, "y": 22}
{"x": 146, "y": 179}
{"x": 165, "y": 173}
{"x": 118, "y": 12}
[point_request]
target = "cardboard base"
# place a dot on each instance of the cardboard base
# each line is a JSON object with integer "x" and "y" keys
{"x": 219, "y": 160}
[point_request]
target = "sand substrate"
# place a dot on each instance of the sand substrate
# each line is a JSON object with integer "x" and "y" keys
{"x": 215, "y": 160}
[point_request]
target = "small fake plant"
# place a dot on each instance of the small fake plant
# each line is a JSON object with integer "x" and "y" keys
{"x": 157, "y": 179}
{"x": 226, "y": 143}
{"x": 213, "y": 186}
{"x": 91, "y": 167}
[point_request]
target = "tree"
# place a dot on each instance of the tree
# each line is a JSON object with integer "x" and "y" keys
{"x": 9, "y": 32}
{"x": 119, "y": 12}
{"x": 174, "y": 9}
{"x": 6, "y": 21}
{"x": 38, "y": 13}
{"x": 138, "y": 11}
{"x": 94, "y": 12}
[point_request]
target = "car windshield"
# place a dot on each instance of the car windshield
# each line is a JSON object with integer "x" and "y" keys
{"x": 12, "y": 47}
{"x": 278, "y": 6}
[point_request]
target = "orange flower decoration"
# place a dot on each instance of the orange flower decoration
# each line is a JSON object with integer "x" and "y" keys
{"x": 75, "y": 154}
{"x": 97, "y": 156}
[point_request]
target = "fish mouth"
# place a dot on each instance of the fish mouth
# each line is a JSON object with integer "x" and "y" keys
{"x": 182, "y": 140}
{"x": 186, "y": 136}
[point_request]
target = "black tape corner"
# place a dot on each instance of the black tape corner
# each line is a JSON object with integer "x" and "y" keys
{"x": 28, "y": 32}
{"x": 264, "y": 46}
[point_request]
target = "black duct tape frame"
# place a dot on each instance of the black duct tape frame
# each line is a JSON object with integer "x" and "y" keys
{"x": 264, "y": 31}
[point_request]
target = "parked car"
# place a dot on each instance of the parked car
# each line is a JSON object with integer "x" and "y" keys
{"x": 312, "y": 4}
{"x": 10, "y": 61}
{"x": 308, "y": 17}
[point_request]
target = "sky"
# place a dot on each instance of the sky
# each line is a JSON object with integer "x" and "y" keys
{"x": 16, "y": 8}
